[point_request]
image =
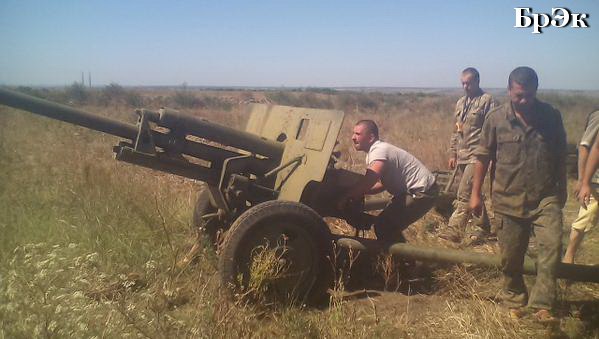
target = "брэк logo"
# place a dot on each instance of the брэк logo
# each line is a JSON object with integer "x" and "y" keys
{"x": 560, "y": 17}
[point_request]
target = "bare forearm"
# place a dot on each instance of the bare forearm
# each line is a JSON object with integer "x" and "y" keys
{"x": 480, "y": 169}
{"x": 591, "y": 164}
{"x": 583, "y": 155}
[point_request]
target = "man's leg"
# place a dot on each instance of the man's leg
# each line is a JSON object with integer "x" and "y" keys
{"x": 513, "y": 235}
{"x": 586, "y": 219}
{"x": 548, "y": 231}
{"x": 576, "y": 237}
{"x": 399, "y": 214}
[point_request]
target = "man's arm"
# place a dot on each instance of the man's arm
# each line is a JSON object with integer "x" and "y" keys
{"x": 476, "y": 200}
{"x": 587, "y": 143}
{"x": 452, "y": 162}
{"x": 584, "y": 195}
{"x": 368, "y": 184}
{"x": 453, "y": 141}
{"x": 583, "y": 155}
{"x": 485, "y": 153}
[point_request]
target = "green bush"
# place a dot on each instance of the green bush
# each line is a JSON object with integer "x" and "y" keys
{"x": 284, "y": 98}
{"x": 116, "y": 94}
{"x": 77, "y": 93}
{"x": 185, "y": 99}
{"x": 113, "y": 91}
{"x": 322, "y": 90}
{"x": 357, "y": 101}
{"x": 303, "y": 99}
{"x": 215, "y": 102}
{"x": 36, "y": 92}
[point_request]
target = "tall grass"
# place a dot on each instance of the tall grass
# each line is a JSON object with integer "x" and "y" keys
{"x": 89, "y": 245}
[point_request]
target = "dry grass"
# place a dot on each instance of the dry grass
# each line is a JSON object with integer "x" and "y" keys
{"x": 89, "y": 245}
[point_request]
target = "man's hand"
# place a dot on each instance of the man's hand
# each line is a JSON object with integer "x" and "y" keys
{"x": 584, "y": 195}
{"x": 577, "y": 187}
{"x": 476, "y": 204}
{"x": 451, "y": 163}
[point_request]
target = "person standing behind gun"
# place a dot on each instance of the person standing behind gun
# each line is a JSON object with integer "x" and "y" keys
{"x": 586, "y": 188}
{"x": 527, "y": 139}
{"x": 470, "y": 113}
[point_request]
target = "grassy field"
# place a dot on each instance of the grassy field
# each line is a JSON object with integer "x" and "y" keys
{"x": 88, "y": 245}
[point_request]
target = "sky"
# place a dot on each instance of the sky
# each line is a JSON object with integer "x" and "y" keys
{"x": 320, "y": 43}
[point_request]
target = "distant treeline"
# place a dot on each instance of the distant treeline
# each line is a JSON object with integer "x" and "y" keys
{"x": 366, "y": 100}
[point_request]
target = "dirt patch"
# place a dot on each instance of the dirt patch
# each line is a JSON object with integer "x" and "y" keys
{"x": 428, "y": 299}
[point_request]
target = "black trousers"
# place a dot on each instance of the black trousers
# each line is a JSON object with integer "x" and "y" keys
{"x": 401, "y": 212}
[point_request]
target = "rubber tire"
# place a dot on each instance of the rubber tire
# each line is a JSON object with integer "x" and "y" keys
{"x": 207, "y": 230}
{"x": 308, "y": 245}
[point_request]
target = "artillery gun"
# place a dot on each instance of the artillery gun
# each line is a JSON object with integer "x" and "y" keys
{"x": 267, "y": 188}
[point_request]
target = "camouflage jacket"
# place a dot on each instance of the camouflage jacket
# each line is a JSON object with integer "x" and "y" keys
{"x": 468, "y": 121}
{"x": 530, "y": 160}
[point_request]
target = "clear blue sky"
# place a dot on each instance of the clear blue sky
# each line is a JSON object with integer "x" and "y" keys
{"x": 290, "y": 43}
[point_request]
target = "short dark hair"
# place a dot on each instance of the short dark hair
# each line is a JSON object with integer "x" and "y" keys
{"x": 472, "y": 71}
{"x": 370, "y": 126}
{"x": 524, "y": 76}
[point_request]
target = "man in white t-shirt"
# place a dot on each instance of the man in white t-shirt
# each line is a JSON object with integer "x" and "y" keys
{"x": 392, "y": 169}
{"x": 586, "y": 188}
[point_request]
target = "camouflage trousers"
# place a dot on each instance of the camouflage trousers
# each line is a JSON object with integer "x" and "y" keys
{"x": 514, "y": 234}
{"x": 461, "y": 215}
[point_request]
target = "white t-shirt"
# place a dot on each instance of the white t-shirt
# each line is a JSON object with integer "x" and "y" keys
{"x": 403, "y": 173}
{"x": 588, "y": 138}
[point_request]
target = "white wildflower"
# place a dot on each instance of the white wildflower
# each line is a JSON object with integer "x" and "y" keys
{"x": 150, "y": 265}
{"x": 93, "y": 257}
{"x": 42, "y": 273}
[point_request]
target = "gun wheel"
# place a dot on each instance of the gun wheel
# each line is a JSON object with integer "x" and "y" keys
{"x": 277, "y": 252}
{"x": 205, "y": 218}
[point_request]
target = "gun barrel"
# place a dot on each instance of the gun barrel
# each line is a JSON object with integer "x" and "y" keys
{"x": 573, "y": 272}
{"x": 183, "y": 124}
{"x": 67, "y": 114}
{"x": 203, "y": 128}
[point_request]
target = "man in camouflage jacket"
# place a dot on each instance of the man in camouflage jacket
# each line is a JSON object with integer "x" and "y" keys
{"x": 470, "y": 113}
{"x": 526, "y": 137}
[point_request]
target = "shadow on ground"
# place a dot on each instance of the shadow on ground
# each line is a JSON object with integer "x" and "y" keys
{"x": 368, "y": 274}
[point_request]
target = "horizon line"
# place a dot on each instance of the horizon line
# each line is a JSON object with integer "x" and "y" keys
{"x": 285, "y": 87}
